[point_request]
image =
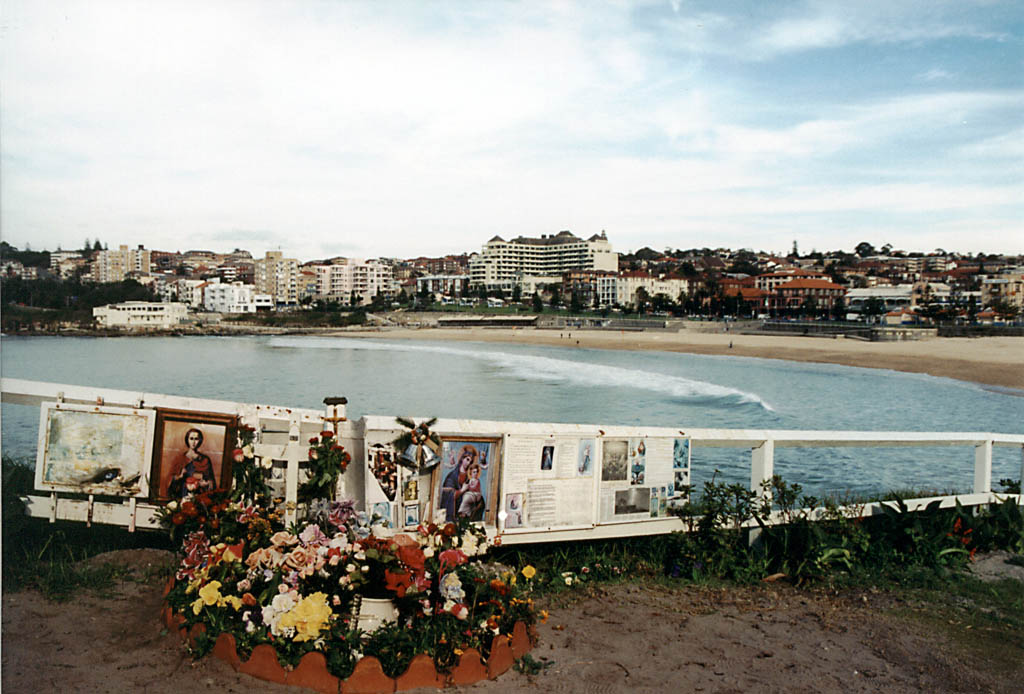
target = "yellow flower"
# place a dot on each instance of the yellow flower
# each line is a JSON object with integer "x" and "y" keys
{"x": 529, "y": 572}
{"x": 233, "y": 600}
{"x": 210, "y": 593}
{"x": 543, "y": 616}
{"x": 308, "y": 618}
{"x": 197, "y": 606}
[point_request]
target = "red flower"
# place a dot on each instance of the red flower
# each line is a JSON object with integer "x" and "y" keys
{"x": 327, "y": 434}
{"x": 238, "y": 455}
{"x": 397, "y": 582}
{"x": 177, "y": 519}
{"x": 449, "y": 529}
{"x": 314, "y": 441}
{"x": 450, "y": 558}
{"x": 189, "y": 509}
{"x": 411, "y": 556}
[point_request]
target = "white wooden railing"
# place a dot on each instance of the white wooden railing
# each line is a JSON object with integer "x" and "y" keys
{"x": 283, "y": 434}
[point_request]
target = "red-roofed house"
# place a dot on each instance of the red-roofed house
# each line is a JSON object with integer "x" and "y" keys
{"x": 792, "y": 296}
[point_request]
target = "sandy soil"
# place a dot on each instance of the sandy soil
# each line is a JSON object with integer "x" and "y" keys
{"x": 770, "y": 638}
{"x": 996, "y": 361}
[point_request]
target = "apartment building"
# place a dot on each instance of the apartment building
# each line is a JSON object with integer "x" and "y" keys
{"x": 140, "y": 314}
{"x": 230, "y": 298}
{"x": 279, "y": 277}
{"x": 345, "y": 277}
{"x": 502, "y": 263}
{"x": 1008, "y": 287}
{"x": 115, "y": 266}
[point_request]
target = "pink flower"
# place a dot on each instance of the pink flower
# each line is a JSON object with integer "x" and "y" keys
{"x": 283, "y": 538}
{"x": 238, "y": 455}
{"x": 459, "y": 610}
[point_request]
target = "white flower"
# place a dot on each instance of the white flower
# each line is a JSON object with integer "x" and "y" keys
{"x": 428, "y": 552}
{"x": 469, "y": 545}
{"x": 247, "y": 450}
{"x": 350, "y": 568}
{"x": 172, "y": 505}
{"x": 360, "y": 555}
{"x": 267, "y": 463}
{"x": 365, "y": 569}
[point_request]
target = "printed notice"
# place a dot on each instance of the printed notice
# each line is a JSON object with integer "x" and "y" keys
{"x": 521, "y": 458}
{"x": 559, "y": 503}
{"x": 541, "y": 498}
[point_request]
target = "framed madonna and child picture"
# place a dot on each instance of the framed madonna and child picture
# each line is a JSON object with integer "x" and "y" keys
{"x": 466, "y": 480}
{"x": 191, "y": 453}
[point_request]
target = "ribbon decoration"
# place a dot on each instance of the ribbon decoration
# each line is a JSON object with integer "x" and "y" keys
{"x": 419, "y": 446}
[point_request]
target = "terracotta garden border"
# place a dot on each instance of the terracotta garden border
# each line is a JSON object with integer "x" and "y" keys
{"x": 368, "y": 676}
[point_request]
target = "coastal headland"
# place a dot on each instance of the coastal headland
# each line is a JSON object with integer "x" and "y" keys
{"x": 993, "y": 361}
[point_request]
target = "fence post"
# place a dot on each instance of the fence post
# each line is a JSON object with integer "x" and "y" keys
{"x": 1020, "y": 495}
{"x": 983, "y": 467}
{"x": 762, "y": 468}
{"x": 293, "y": 454}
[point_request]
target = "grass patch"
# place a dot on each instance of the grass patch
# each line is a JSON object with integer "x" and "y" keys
{"x": 49, "y": 557}
{"x": 983, "y": 620}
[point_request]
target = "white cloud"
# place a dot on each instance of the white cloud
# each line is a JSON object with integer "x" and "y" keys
{"x": 404, "y": 129}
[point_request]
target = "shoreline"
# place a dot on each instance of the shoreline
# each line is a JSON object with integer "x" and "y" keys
{"x": 997, "y": 362}
{"x": 990, "y": 361}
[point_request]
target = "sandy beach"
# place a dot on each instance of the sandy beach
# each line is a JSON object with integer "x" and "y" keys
{"x": 994, "y": 361}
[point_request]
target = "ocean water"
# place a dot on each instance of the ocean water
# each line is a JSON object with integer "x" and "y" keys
{"x": 529, "y": 383}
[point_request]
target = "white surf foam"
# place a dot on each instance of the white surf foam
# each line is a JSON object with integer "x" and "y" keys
{"x": 531, "y": 367}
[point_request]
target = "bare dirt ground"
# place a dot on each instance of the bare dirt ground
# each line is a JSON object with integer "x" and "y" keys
{"x": 625, "y": 638}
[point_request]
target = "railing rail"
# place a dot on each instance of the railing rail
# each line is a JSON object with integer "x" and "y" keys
{"x": 762, "y": 443}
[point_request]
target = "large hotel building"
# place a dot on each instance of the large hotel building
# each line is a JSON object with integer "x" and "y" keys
{"x": 502, "y": 264}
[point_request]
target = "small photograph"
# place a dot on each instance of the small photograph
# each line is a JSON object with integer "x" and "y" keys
{"x": 514, "y": 510}
{"x": 632, "y": 501}
{"x": 585, "y": 458}
{"x": 410, "y": 489}
{"x": 670, "y": 490}
{"x": 547, "y": 457}
{"x": 382, "y": 510}
{"x": 412, "y": 515}
{"x": 614, "y": 454}
{"x": 637, "y": 462}
{"x": 680, "y": 454}
{"x": 662, "y": 506}
{"x": 381, "y": 460}
{"x": 680, "y": 480}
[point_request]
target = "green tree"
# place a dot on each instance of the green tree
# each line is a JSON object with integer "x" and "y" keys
{"x": 642, "y": 299}
{"x": 576, "y": 303}
{"x": 810, "y": 307}
{"x": 538, "y": 303}
{"x": 873, "y": 308}
{"x": 517, "y": 293}
{"x": 864, "y": 249}
{"x": 556, "y": 296}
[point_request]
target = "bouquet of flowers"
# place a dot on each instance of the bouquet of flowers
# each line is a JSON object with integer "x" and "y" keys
{"x": 244, "y": 573}
{"x": 328, "y": 460}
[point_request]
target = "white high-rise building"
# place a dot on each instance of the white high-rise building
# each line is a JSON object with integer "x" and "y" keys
{"x": 229, "y": 298}
{"x": 114, "y": 266}
{"x": 501, "y": 264}
{"x": 279, "y": 277}
{"x": 343, "y": 276}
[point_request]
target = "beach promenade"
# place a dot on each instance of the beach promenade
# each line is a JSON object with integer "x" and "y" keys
{"x": 995, "y": 361}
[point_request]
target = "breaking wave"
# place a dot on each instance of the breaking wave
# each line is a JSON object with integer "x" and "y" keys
{"x": 529, "y": 367}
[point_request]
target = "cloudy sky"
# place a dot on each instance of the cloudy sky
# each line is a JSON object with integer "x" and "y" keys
{"x": 406, "y": 128}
